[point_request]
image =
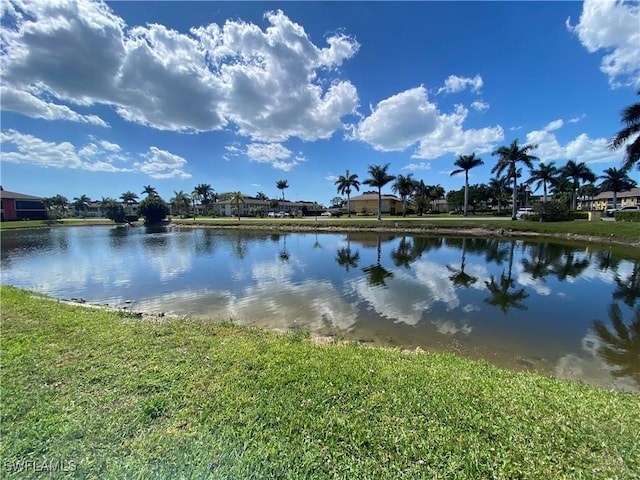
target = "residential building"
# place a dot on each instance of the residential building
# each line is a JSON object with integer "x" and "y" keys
{"x": 19, "y": 206}
{"x": 252, "y": 205}
{"x": 604, "y": 200}
{"x": 368, "y": 203}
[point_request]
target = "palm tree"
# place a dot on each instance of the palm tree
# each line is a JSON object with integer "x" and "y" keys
{"x": 379, "y": 178}
{"x": 262, "y": 196}
{"x": 499, "y": 186}
{"x": 149, "y": 191}
{"x": 403, "y": 186}
{"x": 129, "y": 198}
{"x": 577, "y": 172}
{"x": 508, "y": 158}
{"x": 436, "y": 192}
{"x": 81, "y": 203}
{"x": 181, "y": 202}
{"x": 345, "y": 183}
{"x": 204, "y": 194}
{"x": 237, "y": 198}
{"x": 589, "y": 191}
{"x": 631, "y": 119}
{"x": 421, "y": 196}
{"x": 544, "y": 174}
{"x": 466, "y": 163}
{"x": 281, "y": 185}
{"x": 615, "y": 181}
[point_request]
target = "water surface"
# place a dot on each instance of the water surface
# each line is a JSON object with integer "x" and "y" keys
{"x": 528, "y": 305}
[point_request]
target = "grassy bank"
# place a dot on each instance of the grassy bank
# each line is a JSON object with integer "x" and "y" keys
{"x": 109, "y": 396}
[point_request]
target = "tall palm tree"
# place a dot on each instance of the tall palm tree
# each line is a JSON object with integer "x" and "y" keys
{"x": 499, "y": 187}
{"x": 379, "y": 178}
{"x": 281, "y": 185}
{"x": 204, "y": 193}
{"x": 81, "y": 203}
{"x": 577, "y": 173}
{"x": 589, "y": 191}
{"x": 129, "y": 198}
{"x": 508, "y": 159}
{"x": 631, "y": 119}
{"x": 436, "y": 192}
{"x": 421, "y": 196}
{"x": 181, "y": 202}
{"x": 149, "y": 191}
{"x": 466, "y": 163}
{"x": 262, "y": 196}
{"x": 615, "y": 181}
{"x": 345, "y": 183}
{"x": 544, "y": 174}
{"x": 237, "y": 198}
{"x": 404, "y": 186}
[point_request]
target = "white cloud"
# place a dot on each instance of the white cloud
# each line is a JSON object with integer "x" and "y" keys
{"x": 614, "y": 27}
{"x": 576, "y": 119}
{"x": 555, "y": 125}
{"x": 162, "y": 164}
{"x": 417, "y": 166}
{"x": 454, "y": 84}
{"x": 27, "y": 149}
{"x": 480, "y": 105}
{"x": 273, "y": 84}
{"x": 582, "y": 148}
{"x": 275, "y": 154}
{"x": 408, "y": 118}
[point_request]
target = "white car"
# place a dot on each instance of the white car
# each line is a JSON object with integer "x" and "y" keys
{"x": 325, "y": 214}
{"x": 522, "y": 213}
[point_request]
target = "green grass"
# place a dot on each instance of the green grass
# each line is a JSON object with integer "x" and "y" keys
{"x": 119, "y": 397}
{"x": 52, "y": 223}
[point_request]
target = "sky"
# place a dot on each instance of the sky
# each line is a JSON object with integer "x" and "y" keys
{"x": 102, "y": 98}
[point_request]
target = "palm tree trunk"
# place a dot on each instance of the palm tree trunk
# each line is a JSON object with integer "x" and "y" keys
{"x": 515, "y": 196}
{"x": 615, "y": 199}
{"x": 379, "y": 203}
{"x": 466, "y": 191}
{"x": 348, "y": 206}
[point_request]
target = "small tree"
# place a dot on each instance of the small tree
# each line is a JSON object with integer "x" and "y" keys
{"x": 153, "y": 209}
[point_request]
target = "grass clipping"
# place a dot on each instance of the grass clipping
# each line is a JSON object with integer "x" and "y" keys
{"x": 97, "y": 394}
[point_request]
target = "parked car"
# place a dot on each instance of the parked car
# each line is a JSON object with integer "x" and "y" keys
{"x": 522, "y": 213}
{"x": 629, "y": 208}
{"x": 325, "y": 214}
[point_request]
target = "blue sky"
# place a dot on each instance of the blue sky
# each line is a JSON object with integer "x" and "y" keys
{"x": 101, "y": 98}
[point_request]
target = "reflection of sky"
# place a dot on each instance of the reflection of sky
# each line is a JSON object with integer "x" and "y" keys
{"x": 231, "y": 275}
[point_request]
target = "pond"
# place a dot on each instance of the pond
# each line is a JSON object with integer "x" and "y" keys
{"x": 572, "y": 312}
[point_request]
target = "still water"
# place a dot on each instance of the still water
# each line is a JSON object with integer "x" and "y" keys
{"x": 527, "y": 305}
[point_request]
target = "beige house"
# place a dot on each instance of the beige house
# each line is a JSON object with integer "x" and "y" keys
{"x": 368, "y": 203}
{"x": 604, "y": 200}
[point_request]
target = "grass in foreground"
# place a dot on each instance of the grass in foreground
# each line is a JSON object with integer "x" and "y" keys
{"x": 118, "y": 397}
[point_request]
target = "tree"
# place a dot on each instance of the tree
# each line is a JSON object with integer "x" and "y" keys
{"x": 379, "y": 178}
{"x": 577, "y": 173}
{"x": 499, "y": 188}
{"x": 81, "y": 203}
{"x": 336, "y": 202}
{"x": 153, "y": 209}
{"x": 466, "y": 163}
{"x": 261, "y": 196}
{"x": 631, "y": 119}
{"x": 282, "y": 185}
{"x": 113, "y": 210}
{"x": 508, "y": 159}
{"x": 181, "y": 202}
{"x": 436, "y": 192}
{"x": 149, "y": 191}
{"x": 403, "y": 186}
{"x": 420, "y": 196}
{"x": 615, "y": 181}
{"x": 204, "y": 194}
{"x": 545, "y": 175}
{"x": 237, "y": 198}
{"x": 345, "y": 183}
{"x": 57, "y": 206}
{"x": 129, "y": 198}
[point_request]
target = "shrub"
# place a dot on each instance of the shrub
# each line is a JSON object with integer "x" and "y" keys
{"x": 580, "y": 215}
{"x": 153, "y": 209}
{"x": 550, "y": 212}
{"x": 627, "y": 216}
{"x": 114, "y": 211}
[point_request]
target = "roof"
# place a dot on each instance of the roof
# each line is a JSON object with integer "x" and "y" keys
{"x": 17, "y": 196}
{"x": 374, "y": 196}
{"x": 634, "y": 192}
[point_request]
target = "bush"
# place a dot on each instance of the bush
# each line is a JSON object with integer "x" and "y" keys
{"x": 153, "y": 209}
{"x": 627, "y": 216}
{"x": 550, "y": 212}
{"x": 131, "y": 218}
{"x": 114, "y": 211}
{"x": 580, "y": 215}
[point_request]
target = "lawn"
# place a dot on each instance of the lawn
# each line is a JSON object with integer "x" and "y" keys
{"x": 98, "y": 394}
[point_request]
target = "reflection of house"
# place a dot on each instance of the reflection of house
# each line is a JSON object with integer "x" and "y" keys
{"x": 604, "y": 200}
{"x": 18, "y": 206}
{"x": 368, "y": 203}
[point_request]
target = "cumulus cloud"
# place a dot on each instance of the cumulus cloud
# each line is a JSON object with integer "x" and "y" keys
{"x": 97, "y": 155}
{"x": 480, "y": 105}
{"x": 275, "y": 154}
{"x": 612, "y": 26}
{"x": 417, "y": 166}
{"x": 409, "y": 118}
{"x": 272, "y": 84}
{"x": 162, "y": 164}
{"x": 555, "y": 125}
{"x": 583, "y": 147}
{"x": 454, "y": 84}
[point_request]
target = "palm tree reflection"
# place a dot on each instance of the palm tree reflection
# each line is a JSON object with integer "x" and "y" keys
{"x": 459, "y": 277}
{"x": 621, "y": 347}
{"x": 377, "y": 274}
{"x": 628, "y": 289}
{"x": 500, "y": 292}
{"x": 346, "y": 259}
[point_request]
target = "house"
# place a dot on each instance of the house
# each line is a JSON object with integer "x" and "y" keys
{"x": 604, "y": 200}
{"x": 19, "y": 206}
{"x": 368, "y": 203}
{"x": 252, "y": 206}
